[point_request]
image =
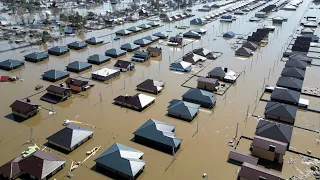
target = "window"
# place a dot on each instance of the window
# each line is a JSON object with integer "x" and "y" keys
{"x": 272, "y": 148}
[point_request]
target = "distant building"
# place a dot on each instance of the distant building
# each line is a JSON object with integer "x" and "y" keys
{"x": 77, "y": 45}
{"x": 207, "y": 83}
{"x": 94, "y": 41}
{"x": 192, "y": 34}
{"x": 175, "y": 41}
{"x": 115, "y": 53}
{"x": 142, "y": 42}
{"x": 123, "y": 32}
{"x": 105, "y": 74}
{"x": 78, "y": 66}
{"x": 98, "y": 59}
{"x": 253, "y": 172}
{"x": 24, "y": 109}
{"x": 58, "y": 50}
{"x": 122, "y": 161}
{"x": 260, "y": 15}
{"x": 129, "y": 47}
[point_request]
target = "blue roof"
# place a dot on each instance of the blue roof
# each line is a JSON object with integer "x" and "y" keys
{"x": 142, "y": 41}
{"x": 134, "y": 29}
{"x": 199, "y": 95}
{"x": 229, "y": 34}
{"x": 160, "y": 132}
{"x": 122, "y": 159}
{"x": 78, "y": 65}
{"x": 160, "y": 34}
{"x": 182, "y": 107}
{"x": 98, "y": 58}
{"x": 68, "y": 30}
{"x": 55, "y": 74}
{"x": 114, "y": 51}
{"x": 129, "y": 46}
{"x": 37, "y": 55}
{"x": 59, "y": 49}
{"x": 10, "y": 63}
{"x": 141, "y": 53}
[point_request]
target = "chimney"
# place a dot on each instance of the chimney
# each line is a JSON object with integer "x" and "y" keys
{"x": 225, "y": 69}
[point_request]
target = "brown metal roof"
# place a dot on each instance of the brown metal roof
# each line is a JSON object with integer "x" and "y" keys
{"x": 23, "y": 106}
{"x": 207, "y": 80}
{"x": 147, "y": 84}
{"x": 132, "y": 100}
{"x": 251, "y": 172}
{"x": 57, "y": 89}
{"x": 11, "y": 169}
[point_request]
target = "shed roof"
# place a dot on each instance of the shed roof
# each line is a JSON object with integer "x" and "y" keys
{"x": 70, "y": 136}
{"x": 293, "y": 72}
{"x": 160, "y": 132}
{"x": 285, "y": 95}
{"x": 55, "y": 74}
{"x": 281, "y": 110}
{"x": 183, "y": 107}
{"x": 265, "y": 143}
{"x": 123, "y": 159}
{"x": 290, "y": 82}
{"x": 79, "y": 65}
{"x": 275, "y": 131}
{"x": 23, "y": 106}
{"x": 199, "y": 95}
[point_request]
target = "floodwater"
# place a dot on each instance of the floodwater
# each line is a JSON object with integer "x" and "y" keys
{"x": 203, "y": 152}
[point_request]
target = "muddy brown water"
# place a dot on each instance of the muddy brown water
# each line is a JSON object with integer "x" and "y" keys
{"x": 206, "y": 151}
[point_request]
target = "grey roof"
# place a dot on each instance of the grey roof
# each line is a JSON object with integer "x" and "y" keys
{"x": 160, "y": 132}
{"x": 123, "y": 31}
{"x": 265, "y": 143}
{"x": 285, "y": 94}
{"x": 250, "y": 171}
{"x": 141, "y": 53}
{"x": 142, "y": 42}
{"x": 275, "y": 131}
{"x": 199, "y": 30}
{"x": 59, "y": 49}
{"x": 296, "y": 63}
{"x": 98, "y": 58}
{"x": 129, "y": 46}
{"x": 192, "y": 34}
{"x": 37, "y": 55}
{"x": 54, "y": 74}
{"x": 77, "y": 44}
{"x": 78, "y": 65}
{"x": 250, "y": 45}
{"x": 10, "y": 63}
{"x": 218, "y": 72}
{"x": 122, "y": 158}
{"x": 199, "y": 95}
{"x": 182, "y": 107}
{"x": 160, "y": 35}
{"x": 94, "y": 40}
{"x": 151, "y": 38}
{"x": 293, "y": 72}
{"x": 114, "y": 51}
{"x": 179, "y": 65}
{"x": 300, "y": 57}
{"x": 134, "y": 29}
{"x": 70, "y": 136}
{"x": 290, "y": 82}
{"x": 153, "y": 23}
{"x": 144, "y": 26}
{"x": 281, "y": 110}
{"x": 243, "y": 51}
{"x": 307, "y": 30}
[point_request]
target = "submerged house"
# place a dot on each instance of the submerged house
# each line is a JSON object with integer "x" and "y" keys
{"x": 284, "y": 95}
{"x": 105, "y": 74}
{"x": 141, "y": 56}
{"x": 122, "y": 161}
{"x": 301, "y": 57}
{"x": 142, "y": 42}
{"x": 223, "y": 74}
{"x": 290, "y": 83}
{"x": 77, "y": 85}
{"x": 268, "y": 149}
{"x": 275, "y": 131}
{"x": 36, "y": 57}
{"x": 77, "y": 45}
{"x": 129, "y": 47}
{"x": 153, "y": 24}
{"x": 252, "y": 172}
{"x": 58, "y": 50}
{"x": 151, "y": 86}
{"x": 70, "y": 137}
{"x": 183, "y": 110}
{"x": 229, "y": 34}
{"x": 209, "y": 84}
{"x": 68, "y": 30}
{"x": 124, "y": 66}
{"x": 54, "y": 75}
{"x": 11, "y": 64}
{"x": 293, "y": 72}
{"x": 38, "y": 165}
{"x": 307, "y": 31}
{"x": 94, "y": 41}
{"x": 154, "y": 51}
{"x": 134, "y": 29}
{"x": 175, "y": 41}
{"x": 197, "y": 21}
{"x": 297, "y": 64}
{"x": 243, "y": 51}
{"x": 181, "y": 66}
{"x": 199, "y": 30}
{"x": 78, "y": 66}
{"x": 151, "y": 38}
{"x": 159, "y": 135}
{"x": 281, "y": 112}
{"x": 193, "y": 58}
{"x": 161, "y": 35}
{"x": 192, "y": 34}
{"x": 24, "y": 109}
{"x": 115, "y": 53}
{"x": 144, "y": 26}
{"x": 98, "y": 59}
{"x": 137, "y": 102}
{"x": 56, "y": 94}
{"x": 203, "y": 98}
{"x": 123, "y": 32}
{"x": 203, "y": 52}
{"x": 250, "y": 45}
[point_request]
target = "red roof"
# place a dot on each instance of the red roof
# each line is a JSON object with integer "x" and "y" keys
{"x": 4, "y": 78}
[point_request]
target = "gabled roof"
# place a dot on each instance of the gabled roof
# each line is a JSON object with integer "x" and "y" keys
{"x": 180, "y": 65}
{"x": 40, "y": 164}
{"x": 307, "y": 30}
{"x": 199, "y": 95}
{"x": 37, "y": 55}
{"x": 285, "y": 95}
{"x": 249, "y": 171}
{"x": 281, "y": 110}
{"x": 142, "y": 42}
{"x": 218, "y": 72}
{"x": 296, "y": 63}
{"x": 265, "y": 143}
{"x": 290, "y": 82}
{"x": 139, "y": 100}
{"x": 122, "y": 64}
{"x": 129, "y": 46}
{"x": 57, "y": 89}
{"x": 23, "y": 106}
{"x": 244, "y": 51}
{"x": 192, "y": 34}
{"x": 193, "y": 58}
{"x": 310, "y": 24}
{"x": 11, "y": 169}
{"x": 98, "y": 58}
{"x": 10, "y": 63}
{"x": 159, "y": 132}
{"x": 201, "y": 52}
{"x": 78, "y": 65}
{"x": 151, "y": 84}
{"x": 151, "y": 38}
{"x": 275, "y": 131}
{"x": 123, "y": 159}
{"x": 70, "y": 136}
{"x": 76, "y": 82}
{"x": 77, "y": 44}
{"x": 293, "y": 72}
{"x": 55, "y": 74}
{"x": 300, "y": 57}
{"x": 182, "y": 107}
{"x": 59, "y": 49}
{"x": 134, "y": 29}
{"x": 114, "y": 51}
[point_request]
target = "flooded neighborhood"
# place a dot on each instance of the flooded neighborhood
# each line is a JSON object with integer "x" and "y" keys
{"x": 171, "y": 89}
